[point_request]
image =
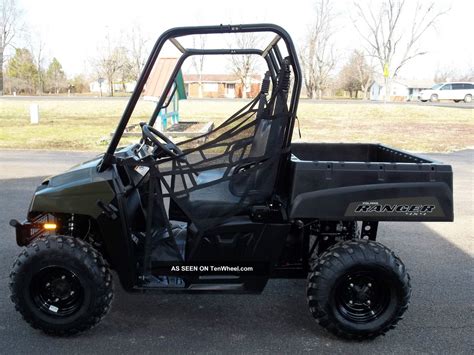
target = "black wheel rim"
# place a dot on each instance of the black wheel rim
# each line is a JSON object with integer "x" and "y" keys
{"x": 57, "y": 291}
{"x": 362, "y": 296}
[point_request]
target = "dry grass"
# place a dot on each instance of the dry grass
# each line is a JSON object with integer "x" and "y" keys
{"x": 409, "y": 127}
{"x": 80, "y": 124}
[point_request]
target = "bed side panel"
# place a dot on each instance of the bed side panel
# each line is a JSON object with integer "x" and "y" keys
{"x": 371, "y": 191}
{"x": 381, "y": 202}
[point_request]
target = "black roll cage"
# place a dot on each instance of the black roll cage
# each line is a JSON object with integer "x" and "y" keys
{"x": 271, "y": 54}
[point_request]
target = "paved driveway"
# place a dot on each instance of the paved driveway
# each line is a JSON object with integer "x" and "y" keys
{"x": 439, "y": 320}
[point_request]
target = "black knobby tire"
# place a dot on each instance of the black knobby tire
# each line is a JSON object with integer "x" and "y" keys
{"x": 358, "y": 289}
{"x": 61, "y": 285}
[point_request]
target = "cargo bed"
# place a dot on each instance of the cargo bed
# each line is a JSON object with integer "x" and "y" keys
{"x": 368, "y": 182}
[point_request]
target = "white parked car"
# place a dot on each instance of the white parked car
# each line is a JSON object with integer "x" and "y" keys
{"x": 448, "y": 91}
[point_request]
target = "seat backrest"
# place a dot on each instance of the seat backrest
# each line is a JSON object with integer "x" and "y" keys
{"x": 271, "y": 121}
{"x": 267, "y": 141}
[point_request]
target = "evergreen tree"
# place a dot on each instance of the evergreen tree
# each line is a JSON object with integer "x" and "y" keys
{"x": 55, "y": 77}
{"x": 22, "y": 72}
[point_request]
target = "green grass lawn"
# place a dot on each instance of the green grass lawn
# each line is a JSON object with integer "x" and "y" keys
{"x": 80, "y": 124}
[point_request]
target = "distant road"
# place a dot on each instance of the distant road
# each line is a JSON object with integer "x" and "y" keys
{"x": 61, "y": 97}
{"x": 450, "y": 104}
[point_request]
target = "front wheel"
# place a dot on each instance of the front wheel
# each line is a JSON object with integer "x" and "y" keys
{"x": 61, "y": 285}
{"x": 358, "y": 289}
{"x": 434, "y": 98}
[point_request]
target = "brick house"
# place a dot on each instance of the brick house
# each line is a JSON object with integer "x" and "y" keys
{"x": 220, "y": 85}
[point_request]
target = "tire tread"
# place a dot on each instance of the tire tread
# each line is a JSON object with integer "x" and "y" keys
{"x": 83, "y": 252}
{"x": 348, "y": 252}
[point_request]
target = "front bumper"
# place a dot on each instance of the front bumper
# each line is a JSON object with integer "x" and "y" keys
{"x": 24, "y": 231}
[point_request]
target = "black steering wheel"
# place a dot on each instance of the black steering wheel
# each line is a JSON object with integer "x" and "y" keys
{"x": 168, "y": 147}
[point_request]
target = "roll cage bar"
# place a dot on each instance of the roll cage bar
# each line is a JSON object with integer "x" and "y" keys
{"x": 271, "y": 53}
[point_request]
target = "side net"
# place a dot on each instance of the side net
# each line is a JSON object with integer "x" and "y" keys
{"x": 233, "y": 167}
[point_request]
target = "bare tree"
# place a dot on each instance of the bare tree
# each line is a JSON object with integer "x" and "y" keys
{"x": 357, "y": 74}
{"x": 364, "y": 71}
{"x": 111, "y": 62}
{"x": 243, "y": 66}
{"x": 125, "y": 73}
{"x": 347, "y": 80}
{"x": 317, "y": 54}
{"x": 393, "y": 30}
{"x": 467, "y": 74}
{"x": 10, "y": 25}
{"x": 443, "y": 75}
{"x": 37, "y": 48}
{"x": 137, "y": 50}
{"x": 197, "y": 61}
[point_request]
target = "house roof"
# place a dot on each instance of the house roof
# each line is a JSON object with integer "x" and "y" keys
{"x": 409, "y": 83}
{"x": 159, "y": 77}
{"x": 216, "y": 78}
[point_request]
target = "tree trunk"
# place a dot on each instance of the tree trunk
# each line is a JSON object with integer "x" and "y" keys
{"x": 387, "y": 90}
{"x": 309, "y": 91}
{"x": 244, "y": 90}
{"x": 320, "y": 94}
{"x": 364, "y": 92}
{"x": 200, "y": 86}
{"x": 1, "y": 71}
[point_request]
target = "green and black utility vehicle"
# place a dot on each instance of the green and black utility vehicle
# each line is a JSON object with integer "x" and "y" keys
{"x": 227, "y": 210}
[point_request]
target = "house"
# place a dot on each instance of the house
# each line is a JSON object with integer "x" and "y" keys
{"x": 220, "y": 85}
{"x": 401, "y": 89}
{"x": 102, "y": 86}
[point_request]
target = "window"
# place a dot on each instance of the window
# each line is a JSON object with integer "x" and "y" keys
{"x": 210, "y": 87}
{"x": 468, "y": 86}
{"x": 446, "y": 87}
{"x": 458, "y": 86}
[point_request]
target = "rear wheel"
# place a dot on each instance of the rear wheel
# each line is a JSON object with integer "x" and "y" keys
{"x": 434, "y": 98}
{"x": 61, "y": 285}
{"x": 358, "y": 289}
{"x": 468, "y": 98}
